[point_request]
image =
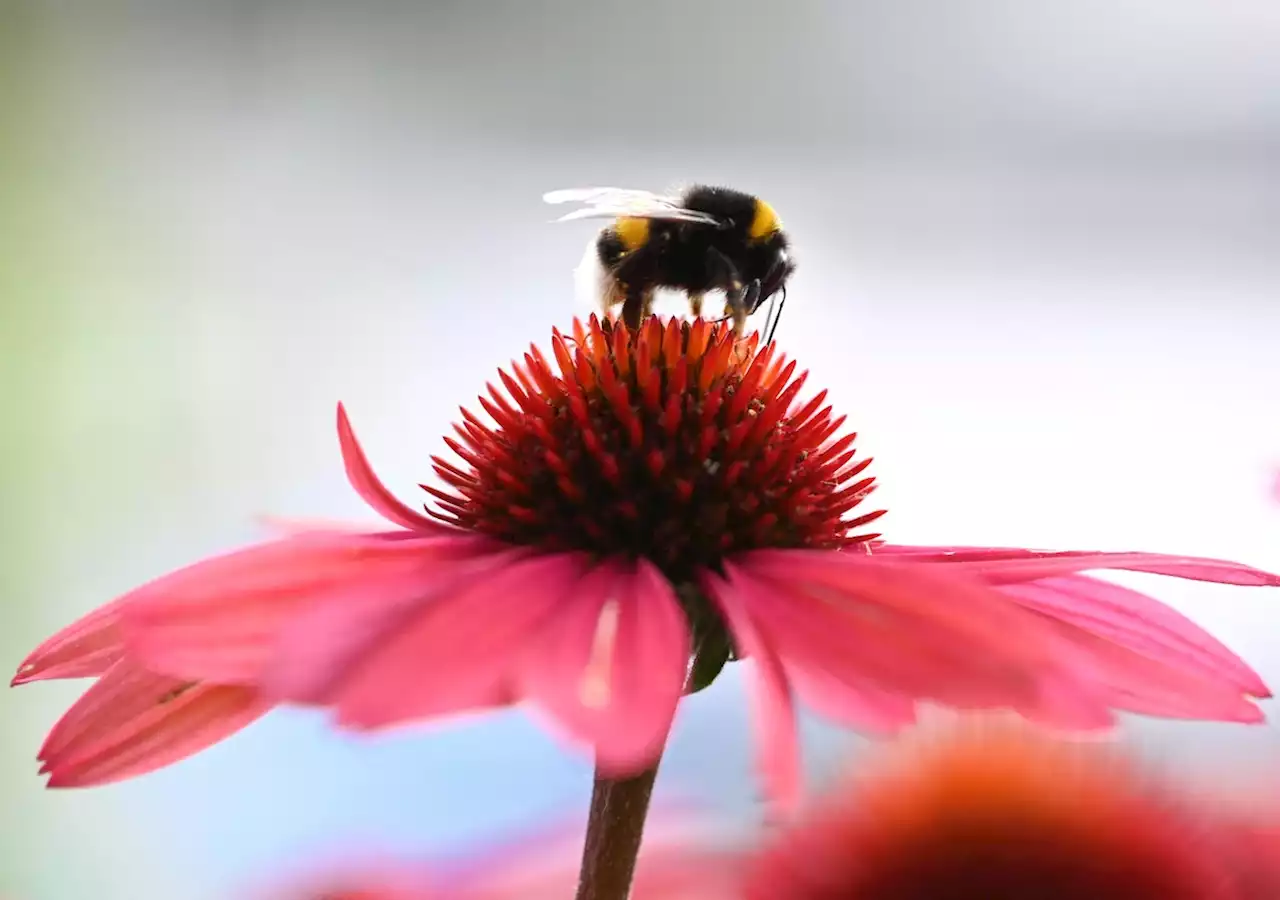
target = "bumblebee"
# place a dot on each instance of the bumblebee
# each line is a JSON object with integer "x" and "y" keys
{"x": 703, "y": 240}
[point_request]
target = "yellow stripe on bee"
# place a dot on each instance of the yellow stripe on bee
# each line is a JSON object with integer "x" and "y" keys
{"x": 634, "y": 233}
{"x": 765, "y": 221}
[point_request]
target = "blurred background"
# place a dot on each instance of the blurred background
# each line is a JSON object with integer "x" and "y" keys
{"x": 1039, "y": 270}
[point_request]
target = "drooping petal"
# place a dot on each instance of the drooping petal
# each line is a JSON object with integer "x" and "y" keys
{"x": 133, "y": 721}
{"x": 1003, "y": 565}
{"x": 460, "y": 649}
{"x": 860, "y": 705}
{"x": 775, "y": 716}
{"x": 85, "y": 648}
{"x": 218, "y": 620}
{"x": 1139, "y": 684}
{"x": 372, "y": 490}
{"x": 1138, "y": 622}
{"x": 916, "y": 631}
{"x": 610, "y": 665}
{"x": 1069, "y": 706}
{"x": 316, "y": 649}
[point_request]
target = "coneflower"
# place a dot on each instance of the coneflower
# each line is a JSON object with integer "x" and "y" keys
{"x": 634, "y": 511}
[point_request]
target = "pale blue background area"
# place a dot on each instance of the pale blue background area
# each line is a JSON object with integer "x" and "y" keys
{"x": 1038, "y": 269}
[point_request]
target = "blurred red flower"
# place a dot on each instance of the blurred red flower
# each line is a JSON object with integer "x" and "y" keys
{"x": 1006, "y": 815}
{"x": 634, "y": 515}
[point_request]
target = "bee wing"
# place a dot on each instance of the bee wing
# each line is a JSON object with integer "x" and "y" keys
{"x": 611, "y": 203}
{"x": 601, "y": 194}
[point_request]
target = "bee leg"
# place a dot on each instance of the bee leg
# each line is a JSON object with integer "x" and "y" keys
{"x": 722, "y": 273}
{"x": 740, "y": 304}
{"x": 636, "y": 308}
{"x": 695, "y": 305}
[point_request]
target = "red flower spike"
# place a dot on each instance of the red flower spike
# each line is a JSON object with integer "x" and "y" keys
{"x": 643, "y": 385}
{"x": 583, "y": 372}
{"x": 809, "y": 409}
{"x": 652, "y": 493}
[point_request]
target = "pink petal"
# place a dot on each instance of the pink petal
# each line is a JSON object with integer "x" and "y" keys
{"x": 775, "y": 716}
{"x": 862, "y": 706}
{"x": 316, "y": 649}
{"x": 373, "y": 491}
{"x": 948, "y": 639}
{"x": 1139, "y": 623}
{"x": 133, "y": 721}
{"x": 610, "y": 665}
{"x": 85, "y": 648}
{"x": 219, "y": 619}
{"x": 1063, "y": 704}
{"x": 1003, "y": 565}
{"x": 1139, "y": 684}
{"x": 459, "y": 651}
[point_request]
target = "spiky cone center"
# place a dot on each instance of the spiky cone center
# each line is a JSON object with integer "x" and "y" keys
{"x": 998, "y": 820}
{"x": 678, "y": 443}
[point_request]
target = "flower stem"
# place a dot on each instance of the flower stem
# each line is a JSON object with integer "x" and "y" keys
{"x": 615, "y": 826}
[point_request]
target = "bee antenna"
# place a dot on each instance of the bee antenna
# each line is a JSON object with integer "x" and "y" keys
{"x": 772, "y": 319}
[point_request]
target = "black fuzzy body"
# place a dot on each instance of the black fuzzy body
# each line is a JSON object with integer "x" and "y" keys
{"x": 697, "y": 258}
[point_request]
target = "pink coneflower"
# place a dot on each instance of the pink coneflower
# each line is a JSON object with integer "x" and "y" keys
{"x": 998, "y": 816}
{"x": 637, "y": 511}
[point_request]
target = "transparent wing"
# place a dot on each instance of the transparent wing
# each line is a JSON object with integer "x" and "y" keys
{"x": 610, "y": 203}
{"x": 605, "y": 195}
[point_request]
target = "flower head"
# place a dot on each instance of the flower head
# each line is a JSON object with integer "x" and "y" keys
{"x": 683, "y": 447}
{"x": 998, "y": 816}
{"x": 640, "y": 509}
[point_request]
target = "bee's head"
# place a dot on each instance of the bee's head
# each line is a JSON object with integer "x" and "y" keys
{"x": 776, "y": 265}
{"x": 770, "y": 257}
